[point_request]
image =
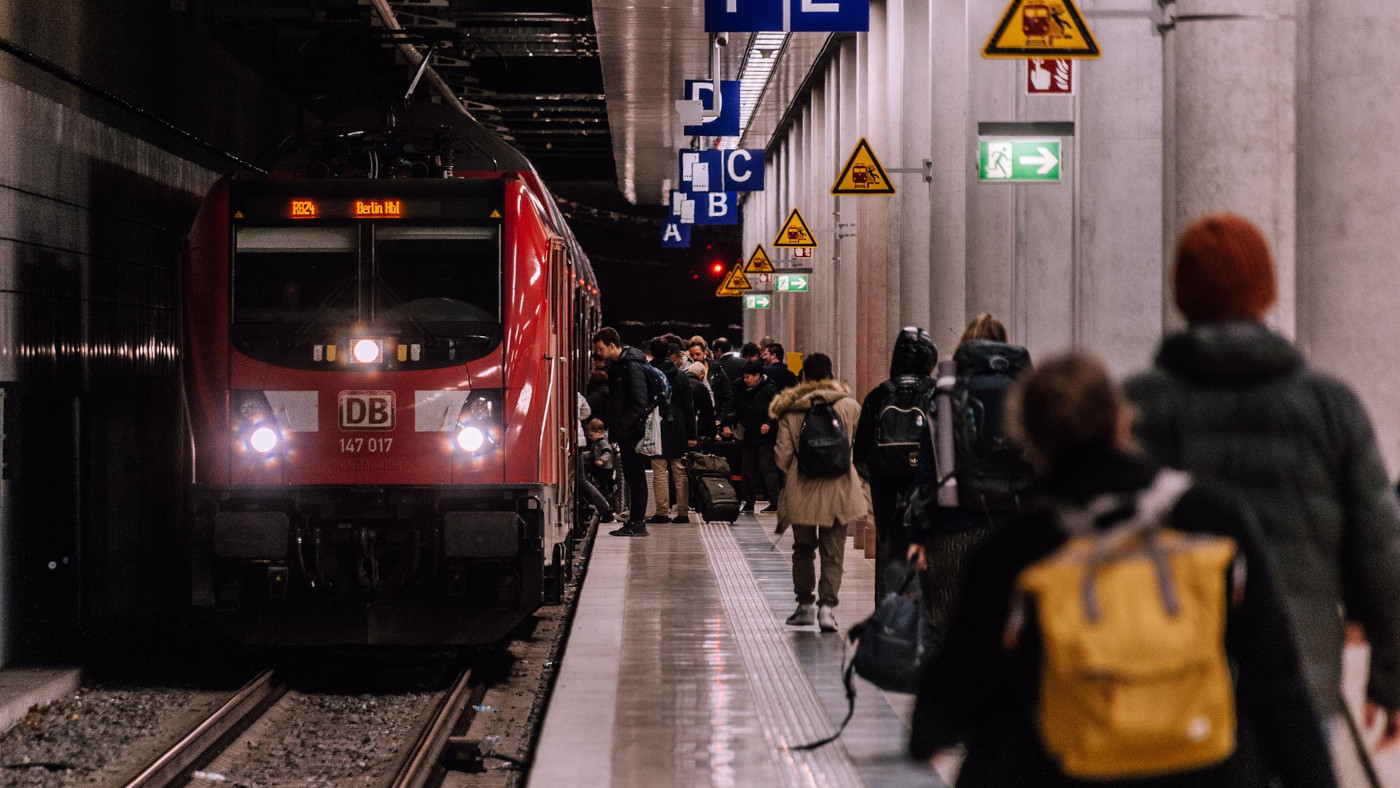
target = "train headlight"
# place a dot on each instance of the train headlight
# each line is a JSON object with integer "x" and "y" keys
{"x": 254, "y": 425}
{"x": 366, "y": 351}
{"x": 263, "y": 440}
{"x": 479, "y": 423}
{"x": 471, "y": 439}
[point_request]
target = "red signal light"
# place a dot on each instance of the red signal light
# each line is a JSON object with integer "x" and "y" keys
{"x": 717, "y": 268}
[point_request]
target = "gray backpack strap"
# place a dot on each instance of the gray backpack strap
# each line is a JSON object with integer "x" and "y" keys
{"x": 1151, "y": 508}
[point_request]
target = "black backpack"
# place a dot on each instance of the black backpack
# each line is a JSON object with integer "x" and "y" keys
{"x": 991, "y": 471}
{"x": 823, "y": 448}
{"x": 900, "y": 426}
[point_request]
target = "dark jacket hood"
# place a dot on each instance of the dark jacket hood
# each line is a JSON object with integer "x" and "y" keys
{"x": 630, "y": 353}
{"x": 914, "y": 354}
{"x": 1228, "y": 354}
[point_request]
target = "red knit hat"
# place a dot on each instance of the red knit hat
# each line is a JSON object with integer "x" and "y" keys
{"x": 1224, "y": 271}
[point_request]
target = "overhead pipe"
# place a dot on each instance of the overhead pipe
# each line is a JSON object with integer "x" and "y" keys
{"x": 717, "y": 40}
{"x": 418, "y": 59}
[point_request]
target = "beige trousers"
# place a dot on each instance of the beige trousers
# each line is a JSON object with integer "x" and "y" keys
{"x": 661, "y": 468}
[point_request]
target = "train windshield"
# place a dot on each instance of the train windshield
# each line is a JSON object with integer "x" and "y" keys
{"x": 297, "y": 287}
{"x": 294, "y": 276}
{"x": 445, "y": 280}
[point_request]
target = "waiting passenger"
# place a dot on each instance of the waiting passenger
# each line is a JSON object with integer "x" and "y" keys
{"x": 758, "y": 433}
{"x": 820, "y": 500}
{"x": 628, "y": 407}
{"x": 598, "y": 456}
{"x": 775, "y": 366}
{"x": 701, "y": 395}
{"x": 1232, "y": 401}
{"x": 992, "y": 685}
{"x": 677, "y": 435}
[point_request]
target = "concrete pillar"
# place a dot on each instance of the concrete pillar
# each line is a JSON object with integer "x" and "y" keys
{"x": 847, "y": 279}
{"x": 874, "y": 332}
{"x": 1118, "y": 199}
{"x": 949, "y": 50}
{"x": 889, "y": 132}
{"x": 1348, "y": 201}
{"x": 991, "y": 208}
{"x": 1230, "y": 79}
{"x": 916, "y": 124}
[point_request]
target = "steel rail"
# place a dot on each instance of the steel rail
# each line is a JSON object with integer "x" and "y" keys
{"x": 417, "y": 768}
{"x": 196, "y": 744}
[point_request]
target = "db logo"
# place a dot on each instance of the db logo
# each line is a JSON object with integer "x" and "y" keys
{"x": 366, "y": 410}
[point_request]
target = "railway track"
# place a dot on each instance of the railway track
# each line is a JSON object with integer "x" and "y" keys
{"x": 244, "y": 737}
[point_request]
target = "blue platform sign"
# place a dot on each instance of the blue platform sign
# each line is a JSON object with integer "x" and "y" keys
{"x": 717, "y": 208}
{"x": 675, "y": 235}
{"x": 797, "y": 16}
{"x": 703, "y": 90}
{"x": 739, "y": 170}
{"x": 743, "y": 170}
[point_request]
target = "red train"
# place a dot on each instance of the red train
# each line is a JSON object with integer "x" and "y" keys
{"x": 384, "y": 341}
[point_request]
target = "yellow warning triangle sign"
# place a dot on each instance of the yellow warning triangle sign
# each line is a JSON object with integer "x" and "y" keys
{"x": 758, "y": 262}
{"x": 795, "y": 232}
{"x": 735, "y": 283}
{"x": 495, "y": 214}
{"x": 863, "y": 174}
{"x": 1042, "y": 28}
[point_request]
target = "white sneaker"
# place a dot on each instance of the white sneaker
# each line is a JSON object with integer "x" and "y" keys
{"x": 826, "y": 618}
{"x": 804, "y": 616}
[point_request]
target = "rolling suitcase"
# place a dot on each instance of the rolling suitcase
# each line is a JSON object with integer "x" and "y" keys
{"x": 712, "y": 494}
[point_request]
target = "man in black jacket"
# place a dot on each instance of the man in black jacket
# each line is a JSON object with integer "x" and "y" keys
{"x": 911, "y": 368}
{"x": 775, "y": 366}
{"x": 760, "y": 435}
{"x": 628, "y": 408}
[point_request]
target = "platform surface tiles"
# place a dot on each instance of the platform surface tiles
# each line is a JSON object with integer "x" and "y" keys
{"x": 680, "y": 671}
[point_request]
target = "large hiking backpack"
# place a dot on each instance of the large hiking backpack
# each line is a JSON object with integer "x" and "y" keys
{"x": 1134, "y": 677}
{"x": 658, "y": 390}
{"x": 900, "y": 426}
{"x": 823, "y": 449}
{"x": 991, "y": 471}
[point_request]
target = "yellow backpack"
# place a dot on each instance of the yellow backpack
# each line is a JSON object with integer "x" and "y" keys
{"x": 1134, "y": 677}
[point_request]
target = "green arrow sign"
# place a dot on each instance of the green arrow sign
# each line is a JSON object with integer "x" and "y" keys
{"x": 1014, "y": 160}
{"x": 792, "y": 283}
{"x": 760, "y": 301}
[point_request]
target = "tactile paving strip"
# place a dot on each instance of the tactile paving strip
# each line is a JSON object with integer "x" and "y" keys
{"x": 788, "y": 707}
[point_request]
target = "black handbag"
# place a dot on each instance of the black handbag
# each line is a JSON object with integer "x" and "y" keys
{"x": 892, "y": 648}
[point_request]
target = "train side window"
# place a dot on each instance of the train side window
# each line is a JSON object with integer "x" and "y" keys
{"x": 295, "y": 275}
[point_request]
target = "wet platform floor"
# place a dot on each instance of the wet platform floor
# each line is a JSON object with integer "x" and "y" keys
{"x": 680, "y": 671}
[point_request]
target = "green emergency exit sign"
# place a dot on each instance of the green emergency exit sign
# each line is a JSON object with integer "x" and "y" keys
{"x": 1013, "y": 160}
{"x": 758, "y": 301}
{"x": 792, "y": 283}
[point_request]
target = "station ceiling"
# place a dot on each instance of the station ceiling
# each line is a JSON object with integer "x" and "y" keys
{"x": 584, "y": 89}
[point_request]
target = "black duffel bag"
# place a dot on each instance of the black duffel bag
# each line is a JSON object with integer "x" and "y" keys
{"x": 892, "y": 648}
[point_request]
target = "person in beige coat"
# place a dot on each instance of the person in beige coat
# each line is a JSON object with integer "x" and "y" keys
{"x": 819, "y": 510}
